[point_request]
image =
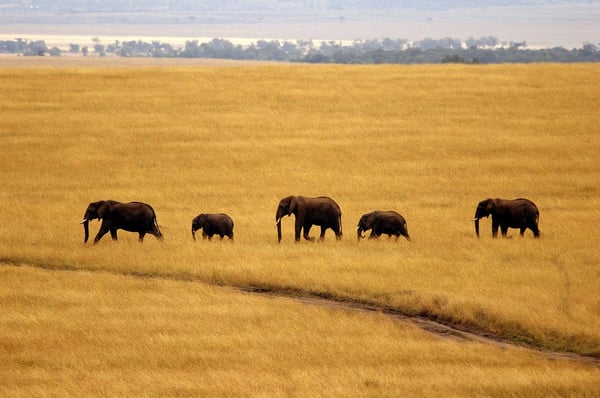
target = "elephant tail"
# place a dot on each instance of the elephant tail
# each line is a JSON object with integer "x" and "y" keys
{"x": 158, "y": 233}
{"x": 340, "y": 220}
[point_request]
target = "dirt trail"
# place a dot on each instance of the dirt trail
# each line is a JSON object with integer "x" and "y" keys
{"x": 428, "y": 325}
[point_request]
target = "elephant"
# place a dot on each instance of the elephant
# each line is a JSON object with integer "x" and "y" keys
{"x": 211, "y": 224}
{"x": 322, "y": 211}
{"x": 382, "y": 222}
{"x": 517, "y": 213}
{"x": 133, "y": 217}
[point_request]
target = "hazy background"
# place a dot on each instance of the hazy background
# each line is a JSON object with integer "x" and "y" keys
{"x": 541, "y": 23}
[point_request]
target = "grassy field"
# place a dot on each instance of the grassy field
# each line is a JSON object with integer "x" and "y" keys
{"x": 427, "y": 141}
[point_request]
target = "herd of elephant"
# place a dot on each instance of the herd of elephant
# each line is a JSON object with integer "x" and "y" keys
{"x": 321, "y": 211}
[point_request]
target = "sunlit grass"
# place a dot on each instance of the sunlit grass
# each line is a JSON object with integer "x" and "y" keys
{"x": 97, "y": 334}
{"x": 429, "y": 142}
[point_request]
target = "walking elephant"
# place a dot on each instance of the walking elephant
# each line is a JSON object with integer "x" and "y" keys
{"x": 213, "y": 224}
{"x": 322, "y": 211}
{"x": 382, "y": 222}
{"x": 517, "y": 213}
{"x": 133, "y": 217}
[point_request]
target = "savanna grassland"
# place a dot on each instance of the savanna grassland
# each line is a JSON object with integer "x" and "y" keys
{"x": 167, "y": 318}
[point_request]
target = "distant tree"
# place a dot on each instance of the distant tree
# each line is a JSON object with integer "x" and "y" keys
{"x": 74, "y": 48}
{"x": 99, "y": 49}
{"x": 191, "y": 50}
{"x": 453, "y": 59}
{"x": 36, "y": 48}
{"x": 11, "y": 47}
{"x": 55, "y": 52}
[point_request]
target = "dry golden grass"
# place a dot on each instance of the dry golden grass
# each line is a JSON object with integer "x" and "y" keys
{"x": 427, "y": 141}
{"x": 96, "y": 334}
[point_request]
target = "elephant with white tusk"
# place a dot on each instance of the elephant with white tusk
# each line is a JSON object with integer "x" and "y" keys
{"x": 133, "y": 217}
{"x": 517, "y": 213}
{"x": 322, "y": 211}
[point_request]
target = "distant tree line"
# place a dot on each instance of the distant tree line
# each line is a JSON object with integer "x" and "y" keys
{"x": 485, "y": 50}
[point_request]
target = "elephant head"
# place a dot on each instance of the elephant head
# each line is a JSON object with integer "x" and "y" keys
{"x": 198, "y": 223}
{"x": 365, "y": 223}
{"x": 287, "y": 207}
{"x": 95, "y": 210}
{"x": 484, "y": 209}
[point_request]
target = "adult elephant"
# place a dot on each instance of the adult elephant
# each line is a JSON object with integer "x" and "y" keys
{"x": 382, "y": 222}
{"x": 517, "y": 213}
{"x": 133, "y": 217}
{"x": 322, "y": 211}
{"x": 213, "y": 224}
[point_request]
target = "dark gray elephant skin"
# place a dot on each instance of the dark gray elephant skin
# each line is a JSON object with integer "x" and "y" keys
{"x": 213, "y": 224}
{"x": 382, "y": 222}
{"x": 133, "y": 217}
{"x": 321, "y": 211}
{"x": 517, "y": 213}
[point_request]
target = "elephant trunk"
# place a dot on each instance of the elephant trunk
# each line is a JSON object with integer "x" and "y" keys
{"x": 278, "y": 229}
{"x": 359, "y": 232}
{"x": 476, "y": 220}
{"x": 86, "y": 229}
{"x": 193, "y": 233}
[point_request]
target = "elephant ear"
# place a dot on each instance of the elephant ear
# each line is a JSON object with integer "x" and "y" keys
{"x": 293, "y": 205}
{"x": 372, "y": 218}
{"x": 491, "y": 205}
{"x": 102, "y": 209}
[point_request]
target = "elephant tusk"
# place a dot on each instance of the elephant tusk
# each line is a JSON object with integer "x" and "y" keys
{"x": 475, "y": 219}
{"x": 278, "y": 221}
{"x": 84, "y": 220}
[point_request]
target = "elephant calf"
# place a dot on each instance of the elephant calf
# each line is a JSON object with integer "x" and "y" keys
{"x": 518, "y": 213}
{"x": 382, "y": 222}
{"x": 213, "y": 224}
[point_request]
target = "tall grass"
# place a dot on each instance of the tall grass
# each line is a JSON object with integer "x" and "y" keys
{"x": 97, "y": 334}
{"x": 427, "y": 141}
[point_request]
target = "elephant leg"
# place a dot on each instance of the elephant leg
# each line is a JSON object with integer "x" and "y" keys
{"x": 298, "y": 230}
{"x": 322, "y": 236}
{"x": 113, "y": 233}
{"x": 504, "y": 229}
{"x": 141, "y": 238}
{"x": 495, "y": 230}
{"x": 221, "y": 237}
{"x": 522, "y": 231}
{"x": 103, "y": 230}
{"x": 337, "y": 230}
{"x": 307, "y": 228}
{"x": 204, "y": 234}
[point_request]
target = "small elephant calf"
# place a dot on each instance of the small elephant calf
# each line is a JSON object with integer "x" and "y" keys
{"x": 213, "y": 224}
{"x": 382, "y": 222}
